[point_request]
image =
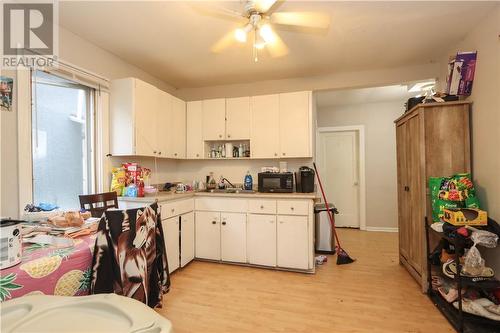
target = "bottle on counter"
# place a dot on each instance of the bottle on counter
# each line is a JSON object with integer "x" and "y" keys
{"x": 211, "y": 181}
{"x": 140, "y": 188}
{"x": 240, "y": 150}
{"x": 248, "y": 182}
{"x": 223, "y": 151}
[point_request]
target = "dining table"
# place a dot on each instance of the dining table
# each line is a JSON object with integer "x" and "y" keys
{"x": 49, "y": 270}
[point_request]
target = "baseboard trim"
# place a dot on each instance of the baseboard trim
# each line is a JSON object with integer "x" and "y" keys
{"x": 382, "y": 229}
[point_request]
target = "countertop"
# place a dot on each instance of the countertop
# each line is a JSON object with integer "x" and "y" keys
{"x": 169, "y": 196}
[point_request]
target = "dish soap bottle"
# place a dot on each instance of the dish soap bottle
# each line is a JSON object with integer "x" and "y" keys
{"x": 248, "y": 183}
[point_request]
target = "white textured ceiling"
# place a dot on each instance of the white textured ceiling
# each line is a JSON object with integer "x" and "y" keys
{"x": 172, "y": 41}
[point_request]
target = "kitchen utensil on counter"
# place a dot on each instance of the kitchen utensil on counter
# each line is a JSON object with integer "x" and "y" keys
{"x": 283, "y": 166}
{"x": 305, "y": 179}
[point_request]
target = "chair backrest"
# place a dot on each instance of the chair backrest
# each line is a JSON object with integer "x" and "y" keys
{"x": 98, "y": 203}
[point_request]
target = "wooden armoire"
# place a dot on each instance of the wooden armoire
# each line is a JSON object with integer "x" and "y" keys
{"x": 433, "y": 140}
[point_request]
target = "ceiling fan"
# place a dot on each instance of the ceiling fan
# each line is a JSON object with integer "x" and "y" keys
{"x": 261, "y": 19}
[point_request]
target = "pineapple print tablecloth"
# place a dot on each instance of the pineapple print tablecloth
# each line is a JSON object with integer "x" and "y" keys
{"x": 50, "y": 271}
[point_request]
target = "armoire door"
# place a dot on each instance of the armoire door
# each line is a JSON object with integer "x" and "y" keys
{"x": 415, "y": 190}
{"x": 403, "y": 213}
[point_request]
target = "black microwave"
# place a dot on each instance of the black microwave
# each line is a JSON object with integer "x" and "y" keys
{"x": 275, "y": 182}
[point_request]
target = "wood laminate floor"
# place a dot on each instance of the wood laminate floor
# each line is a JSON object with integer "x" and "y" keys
{"x": 374, "y": 294}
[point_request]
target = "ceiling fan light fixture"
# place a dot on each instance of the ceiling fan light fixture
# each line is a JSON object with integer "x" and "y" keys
{"x": 259, "y": 43}
{"x": 267, "y": 33}
{"x": 240, "y": 34}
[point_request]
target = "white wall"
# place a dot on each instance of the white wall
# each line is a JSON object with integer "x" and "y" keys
{"x": 485, "y": 116}
{"x": 340, "y": 80}
{"x": 82, "y": 53}
{"x": 380, "y": 154}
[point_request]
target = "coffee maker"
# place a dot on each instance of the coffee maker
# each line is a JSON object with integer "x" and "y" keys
{"x": 304, "y": 178}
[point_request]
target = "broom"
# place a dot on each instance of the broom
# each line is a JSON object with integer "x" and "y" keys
{"x": 342, "y": 256}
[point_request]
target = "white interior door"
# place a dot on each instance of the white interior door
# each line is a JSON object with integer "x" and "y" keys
{"x": 339, "y": 170}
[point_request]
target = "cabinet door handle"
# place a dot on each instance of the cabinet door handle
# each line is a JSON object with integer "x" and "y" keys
{"x": 220, "y": 135}
{"x": 214, "y": 222}
{"x": 173, "y": 210}
{"x": 261, "y": 206}
{"x": 229, "y": 136}
{"x": 154, "y": 151}
{"x": 197, "y": 155}
{"x": 159, "y": 153}
{"x": 275, "y": 154}
{"x": 284, "y": 154}
{"x": 281, "y": 222}
{"x": 292, "y": 208}
{"x": 175, "y": 154}
{"x": 223, "y": 222}
{"x": 271, "y": 221}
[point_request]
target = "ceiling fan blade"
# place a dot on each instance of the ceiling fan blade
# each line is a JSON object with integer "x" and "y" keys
{"x": 277, "y": 48}
{"x": 224, "y": 42}
{"x": 206, "y": 9}
{"x": 263, "y": 6}
{"x": 304, "y": 19}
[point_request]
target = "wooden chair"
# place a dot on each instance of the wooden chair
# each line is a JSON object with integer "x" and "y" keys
{"x": 98, "y": 203}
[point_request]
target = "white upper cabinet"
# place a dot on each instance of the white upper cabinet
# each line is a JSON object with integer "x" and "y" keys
{"x": 264, "y": 126}
{"x": 214, "y": 119}
{"x": 238, "y": 118}
{"x": 146, "y": 104}
{"x": 133, "y": 111}
{"x": 164, "y": 116}
{"x": 194, "y": 129}
{"x": 146, "y": 121}
{"x": 177, "y": 129}
{"x": 295, "y": 124}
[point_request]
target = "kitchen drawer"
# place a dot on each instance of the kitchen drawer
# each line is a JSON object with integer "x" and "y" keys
{"x": 262, "y": 206}
{"x": 293, "y": 207}
{"x": 174, "y": 208}
{"x": 221, "y": 205}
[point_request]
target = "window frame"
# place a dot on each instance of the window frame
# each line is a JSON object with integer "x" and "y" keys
{"x": 24, "y": 126}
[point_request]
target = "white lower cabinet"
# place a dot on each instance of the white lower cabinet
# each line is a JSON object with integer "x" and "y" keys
{"x": 207, "y": 235}
{"x": 233, "y": 237}
{"x": 264, "y": 232}
{"x": 261, "y": 240}
{"x": 187, "y": 238}
{"x": 171, "y": 234}
{"x": 292, "y": 242}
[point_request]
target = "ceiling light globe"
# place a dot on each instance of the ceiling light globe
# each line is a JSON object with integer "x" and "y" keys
{"x": 240, "y": 35}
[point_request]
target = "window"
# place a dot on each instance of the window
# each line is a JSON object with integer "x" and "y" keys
{"x": 62, "y": 140}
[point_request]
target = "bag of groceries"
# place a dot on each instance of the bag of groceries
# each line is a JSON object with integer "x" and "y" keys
{"x": 456, "y": 191}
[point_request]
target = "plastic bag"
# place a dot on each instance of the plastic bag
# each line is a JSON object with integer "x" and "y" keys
{"x": 484, "y": 238}
{"x": 456, "y": 191}
{"x": 118, "y": 180}
{"x": 473, "y": 262}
